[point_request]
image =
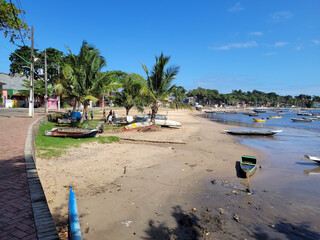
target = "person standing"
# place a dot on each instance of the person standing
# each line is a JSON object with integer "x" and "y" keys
{"x": 91, "y": 115}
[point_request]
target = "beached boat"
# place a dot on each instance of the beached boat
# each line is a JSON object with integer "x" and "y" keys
{"x": 274, "y": 117}
{"x": 301, "y": 120}
{"x": 252, "y": 132}
{"x": 74, "y": 224}
{"x": 148, "y": 117}
{"x": 167, "y": 123}
{"x": 138, "y": 126}
{"x": 259, "y": 110}
{"x": 248, "y": 165}
{"x": 316, "y": 159}
{"x": 71, "y": 132}
{"x": 259, "y": 120}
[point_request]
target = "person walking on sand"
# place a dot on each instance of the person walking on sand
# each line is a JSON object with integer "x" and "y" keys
{"x": 110, "y": 119}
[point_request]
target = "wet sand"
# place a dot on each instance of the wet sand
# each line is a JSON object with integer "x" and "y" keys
{"x": 141, "y": 190}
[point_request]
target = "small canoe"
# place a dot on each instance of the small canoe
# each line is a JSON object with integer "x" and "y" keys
{"x": 301, "y": 120}
{"x": 248, "y": 165}
{"x": 139, "y": 126}
{"x": 253, "y": 114}
{"x": 259, "y": 120}
{"x": 167, "y": 123}
{"x": 71, "y": 132}
{"x": 316, "y": 159}
{"x": 252, "y": 132}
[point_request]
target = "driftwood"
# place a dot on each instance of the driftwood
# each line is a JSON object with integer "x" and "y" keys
{"x": 150, "y": 141}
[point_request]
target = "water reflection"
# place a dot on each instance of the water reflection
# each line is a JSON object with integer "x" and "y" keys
{"x": 312, "y": 171}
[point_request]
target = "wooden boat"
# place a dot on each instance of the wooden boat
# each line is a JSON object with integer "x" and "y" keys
{"x": 167, "y": 123}
{"x": 231, "y": 112}
{"x": 259, "y": 110}
{"x": 248, "y": 165}
{"x": 259, "y": 120}
{"x": 74, "y": 224}
{"x": 71, "y": 132}
{"x": 148, "y": 117}
{"x": 253, "y": 114}
{"x": 316, "y": 159}
{"x": 252, "y": 132}
{"x": 301, "y": 120}
{"x": 138, "y": 126}
{"x": 274, "y": 117}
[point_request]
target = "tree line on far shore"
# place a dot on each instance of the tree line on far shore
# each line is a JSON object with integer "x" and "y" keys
{"x": 255, "y": 98}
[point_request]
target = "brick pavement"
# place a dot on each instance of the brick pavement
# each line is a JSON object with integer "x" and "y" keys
{"x": 16, "y": 215}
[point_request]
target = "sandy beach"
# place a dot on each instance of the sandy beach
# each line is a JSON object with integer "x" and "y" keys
{"x": 170, "y": 183}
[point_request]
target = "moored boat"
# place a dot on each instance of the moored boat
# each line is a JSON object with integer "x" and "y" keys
{"x": 274, "y": 117}
{"x": 71, "y": 132}
{"x": 259, "y": 110}
{"x": 259, "y": 120}
{"x": 301, "y": 120}
{"x": 253, "y": 114}
{"x": 248, "y": 165}
{"x": 304, "y": 113}
{"x": 252, "y": 132}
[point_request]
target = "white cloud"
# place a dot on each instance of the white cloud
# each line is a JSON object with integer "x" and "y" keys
{"x": 236, "y": 45}
{"x": 256, "y": 33}
{"x": 236, "y": 8}
{"x": 281, "y": 15}
{"x": 270, "y": 53}
{"x": 298, "y": 48}
{"x": 280, "y": 44}
{"x": 316, "y": 42}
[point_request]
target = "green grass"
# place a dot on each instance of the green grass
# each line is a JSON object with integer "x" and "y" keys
{"x": 48, "y": 147}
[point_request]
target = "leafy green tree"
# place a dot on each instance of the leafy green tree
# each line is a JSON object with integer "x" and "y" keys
{"x": 179, "y": 93}
{"x": 83, "y": 74}
{"x": 159, "y": 82}
{"x": 10, "y": 23}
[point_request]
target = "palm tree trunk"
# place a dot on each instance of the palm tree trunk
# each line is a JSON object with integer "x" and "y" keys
{"x": 85, "y": 110}
{"x": 154, "y": 109}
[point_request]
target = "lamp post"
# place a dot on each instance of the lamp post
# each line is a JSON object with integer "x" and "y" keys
{"x": 45, "y": 82}
{"x": 31, "y": 97}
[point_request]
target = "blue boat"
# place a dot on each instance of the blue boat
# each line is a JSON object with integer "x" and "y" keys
{"x": 259, "y": 110}
{"x": 74, "y": 224}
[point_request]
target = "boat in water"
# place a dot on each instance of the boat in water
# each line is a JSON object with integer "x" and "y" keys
{"x": 259, "y": 110}
{"x": 301, "y": 120}
{"x": 71, "y": 132}
{"x": 316, "y": 159}
{"x": 252, "y": 132}
{"x": 138, "y": 126}
{"x": 258, "y": 120}
{"x": 248, "y": 165}
{"x": 304, "y": 113}
{"x": 274, "y": 117}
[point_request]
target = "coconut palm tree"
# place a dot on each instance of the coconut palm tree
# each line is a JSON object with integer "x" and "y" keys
{"x": 134, "y": 92}
{"x": 159, "y": 82}
{"x": 83, "y": 74}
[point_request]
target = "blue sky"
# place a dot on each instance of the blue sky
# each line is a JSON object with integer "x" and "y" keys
{"x": 268, "y": 45}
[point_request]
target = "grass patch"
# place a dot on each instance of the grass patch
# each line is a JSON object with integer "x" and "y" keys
{"x": 48, "y": 147}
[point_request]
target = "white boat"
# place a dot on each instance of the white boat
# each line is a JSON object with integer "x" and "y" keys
{"x": 167, "y": 123}
{"x": 316, "y": 159}
{"x": 301, "y": 119}
{"x": 304, "y": 113}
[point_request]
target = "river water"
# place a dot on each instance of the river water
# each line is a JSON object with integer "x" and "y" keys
{"x": 284, "y": 170}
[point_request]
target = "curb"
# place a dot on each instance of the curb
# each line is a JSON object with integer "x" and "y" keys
{"x": 45, "y": 226}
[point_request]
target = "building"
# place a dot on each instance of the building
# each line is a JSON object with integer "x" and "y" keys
{"x": 11, "y": 84}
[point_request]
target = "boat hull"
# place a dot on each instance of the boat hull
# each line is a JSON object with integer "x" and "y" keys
{"x": 259, "y": 120}
{"x": 252, "y": 133}
{"x": 167, "y": 123}
{"x": 140, "y": 126}
{"x": 71, "y": 133}
{"x": 248, "y": 165}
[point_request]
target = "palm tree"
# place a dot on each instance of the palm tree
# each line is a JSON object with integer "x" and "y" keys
{"x": 83, "y": 74}
{"x": 159, "y": 82}
{"x": 134, "y": 92}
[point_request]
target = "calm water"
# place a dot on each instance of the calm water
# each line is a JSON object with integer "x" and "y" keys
{"x": 284, "y": 169}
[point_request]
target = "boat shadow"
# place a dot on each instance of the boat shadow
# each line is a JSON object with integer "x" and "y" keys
{"x": 239, "y": 173}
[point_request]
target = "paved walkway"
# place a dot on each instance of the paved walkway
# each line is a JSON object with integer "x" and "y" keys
{"x": 16, "y": 215}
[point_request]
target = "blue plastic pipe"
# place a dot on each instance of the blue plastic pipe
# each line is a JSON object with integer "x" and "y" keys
{"x": 75, "y": 231}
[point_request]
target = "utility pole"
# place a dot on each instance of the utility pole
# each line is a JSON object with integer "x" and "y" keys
{"x": 45, "y": 82}
{"x": 31, "y": 97}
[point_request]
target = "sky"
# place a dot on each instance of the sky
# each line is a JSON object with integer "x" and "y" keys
{"x": 267, "y": 45}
